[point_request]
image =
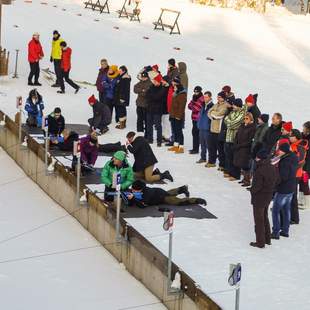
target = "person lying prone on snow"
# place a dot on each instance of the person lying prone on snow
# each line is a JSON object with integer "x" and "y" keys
{"x": 154, "y": 196}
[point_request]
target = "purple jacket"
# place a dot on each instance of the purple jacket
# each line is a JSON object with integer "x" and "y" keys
{"x": 102, "y": 73}
{"x": 89, "y": 153}
{"x": 195, "y": 107}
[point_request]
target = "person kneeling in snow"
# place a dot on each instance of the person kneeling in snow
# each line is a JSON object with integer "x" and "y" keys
{"x": 154, "y": 196}
{"x": 101, "y": 115}
{"x": 144, "y": 159}
{"x": 118, "y": 164}
{"x": 34, "y": 106}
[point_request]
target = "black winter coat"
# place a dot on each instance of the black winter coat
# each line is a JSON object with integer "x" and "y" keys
{"x": 287, "y": 168}
{"x": 143, "y": 154}
{"x": 242, "y": 145}
{"x": 122, "y": 91}
{"x": 264, "y": 183}
{"x": 307, "y": 163}
{"x": 153, "y": 196}
{"x": 55, "y": 126}
{"x": 164, "y": 100}
{"x": 154, "y": 99}
{"x": 67, "y": 145}
{"x": 255, "y": 112}
{"x": 258, "y": 138}
{"x": 271, "y": 137}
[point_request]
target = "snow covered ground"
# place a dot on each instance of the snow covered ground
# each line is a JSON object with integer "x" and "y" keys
{"x": 59, "y": 265}
{"x": 266, "y": 54}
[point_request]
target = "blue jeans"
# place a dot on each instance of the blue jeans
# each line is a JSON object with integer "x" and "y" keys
{"x": 281, "y": 204}
{"x": 203, "y": 136}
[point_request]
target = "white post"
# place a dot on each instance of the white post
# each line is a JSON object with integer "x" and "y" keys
{"x": 15, "y": 76}
{"x": 234, "y": 280}
{"x": 46, "y": 151}
{"x": 237, "y": 302}
{"x": 118, "y": 206}
{"x": 77, "y": 153}
{"x": 19, "y": 106}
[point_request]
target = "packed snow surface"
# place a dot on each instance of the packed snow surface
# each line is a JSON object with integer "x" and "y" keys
{"x": 267, "y": 54}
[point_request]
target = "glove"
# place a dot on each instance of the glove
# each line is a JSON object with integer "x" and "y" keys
{"x": 51, "y": 59}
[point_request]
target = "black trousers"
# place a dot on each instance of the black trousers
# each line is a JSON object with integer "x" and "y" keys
{"x": 57, "y": 68}
{"x": 65, "y": 76}
{"x": 141, "y": 119}
{"x": 294, "y": 204}
{"x": 34, "y": 71}
{"x": 151, "y": 121}
{"x": 120, "y": 112}
{"x": 195, "y": 134}
{"x": 109, "y": 103}
{"x": 221, "y": 153}
{"x": 177, "y": 129}
{"x": 212, "y": 147}
{"x": 262, "y": 225}
{"x": 101, "y": 96}
{"x": 229, "y": 159}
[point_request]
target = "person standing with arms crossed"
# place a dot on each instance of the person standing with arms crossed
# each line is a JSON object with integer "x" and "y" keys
{"x": 56, "y": 56}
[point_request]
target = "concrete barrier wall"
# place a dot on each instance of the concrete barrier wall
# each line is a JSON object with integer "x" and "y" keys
{"x": 145, "y": 262}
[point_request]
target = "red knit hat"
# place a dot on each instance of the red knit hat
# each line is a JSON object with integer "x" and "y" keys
{"x": 158, "y": 78}
{"x": 226, "y": 89}
{"x": 155, "y": 68}
{"x": 250, "y": 99}
{"x": 92, "y": 99}
{"x": 287, "y": 126}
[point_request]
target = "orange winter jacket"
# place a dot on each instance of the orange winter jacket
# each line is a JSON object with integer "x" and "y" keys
{"x": 300, "y": 148}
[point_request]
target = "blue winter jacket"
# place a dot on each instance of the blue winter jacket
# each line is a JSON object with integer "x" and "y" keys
{"x": 34, "y": 109}
{"x": 109, "y": 87}
{"x": 204, "y": 122}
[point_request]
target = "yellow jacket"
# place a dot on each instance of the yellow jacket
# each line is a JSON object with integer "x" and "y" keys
{"x": 56, "y": 50}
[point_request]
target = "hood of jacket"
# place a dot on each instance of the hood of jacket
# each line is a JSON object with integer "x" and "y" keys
{"x": 182, "y": 67}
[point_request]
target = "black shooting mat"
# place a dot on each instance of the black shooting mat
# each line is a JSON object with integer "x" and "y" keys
{"x": 78, "y": 128}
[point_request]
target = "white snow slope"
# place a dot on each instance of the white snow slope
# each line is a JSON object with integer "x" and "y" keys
{"x": 48, "y": 261}
{"x": 266, "y": 54}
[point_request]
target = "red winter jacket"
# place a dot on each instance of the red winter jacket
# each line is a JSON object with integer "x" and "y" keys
{"x": 66, "y": 59}
{"x": 169, "y": 98}
{"x": 35, "y": 51}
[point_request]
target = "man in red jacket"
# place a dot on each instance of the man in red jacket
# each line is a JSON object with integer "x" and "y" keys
{"x": 65, "y": 68}
{"x": 35, "y": 54}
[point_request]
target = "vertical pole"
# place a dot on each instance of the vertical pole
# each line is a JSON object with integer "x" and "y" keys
{"x": 170, "y": 259}
{"x": 0, "y": 21}
{"x": 118, "y": 210}
{"x": 15, "y": 76}
{"x": 78, "y": 177}
{"x": 46, "y": 151}
{"x": 20, "y": 122}
{"x": 237, "y": 302}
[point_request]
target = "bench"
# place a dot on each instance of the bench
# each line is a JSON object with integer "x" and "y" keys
{"x": 161, "y": 25}
{"x": 132, "y": 16}
{"x": 97, "y": 6}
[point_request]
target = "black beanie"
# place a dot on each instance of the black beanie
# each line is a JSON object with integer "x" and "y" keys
{"x": 56, "y": 32}
{"x": 171, "y": 62}
{"x": 198, "y": 89}
{"x": 222, "y": 94}
{"x": 238, "y": 102}
{"x": 296, "y": 133}
{"x": 262, "y": 154}
{"x": 123, "y": 68}
{"x": 138, "y": 185}
{"x": 264, "y": 118}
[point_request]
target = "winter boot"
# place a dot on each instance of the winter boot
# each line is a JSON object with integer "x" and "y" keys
{"x": 173, "y": 148}
{"x": 256, "y": 245}
{"x": 209, "y": 165}
{"x": 184, "y": 190}
{"x": 192, "y": 152}
{"x": 121, "y": 124}
{"x": 200, "y": 161}
{"x": 180, "y": 150}
{"x": 247, "y": 179}
{"x": 169, "y": 143}
{"x": 166, "y": 176}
